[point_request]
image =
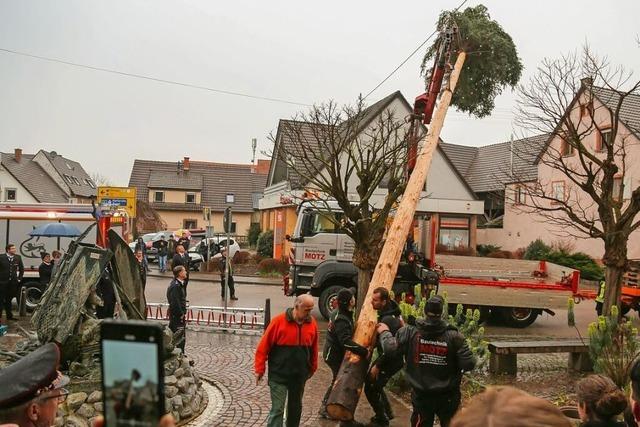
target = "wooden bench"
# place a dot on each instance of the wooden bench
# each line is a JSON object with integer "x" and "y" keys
{"x": 504, "y": 354}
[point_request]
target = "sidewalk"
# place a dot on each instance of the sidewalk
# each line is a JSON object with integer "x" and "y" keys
{"x": 197, "y": 276}
{"x": 226, "y": 360}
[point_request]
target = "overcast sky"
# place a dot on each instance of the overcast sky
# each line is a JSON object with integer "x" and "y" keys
{"x": 300, "y": 51}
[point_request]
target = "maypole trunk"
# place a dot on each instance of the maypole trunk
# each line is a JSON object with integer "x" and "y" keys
{"x": 348, "y": 385}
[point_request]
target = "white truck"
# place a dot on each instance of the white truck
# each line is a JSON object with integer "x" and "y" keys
{"x": 517, "y": 291}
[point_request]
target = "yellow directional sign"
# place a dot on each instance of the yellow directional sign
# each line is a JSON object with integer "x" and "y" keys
{"x": 115, "y": 198}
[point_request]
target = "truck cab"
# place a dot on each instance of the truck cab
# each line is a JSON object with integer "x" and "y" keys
{"x": 320, "y": 258}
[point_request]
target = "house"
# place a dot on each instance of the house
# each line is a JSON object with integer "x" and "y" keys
{"x": 179, "y": 191}
{"x": 448, "y": 206}
{"x": 515, "y": 227}
{"x": 37, "y": 178}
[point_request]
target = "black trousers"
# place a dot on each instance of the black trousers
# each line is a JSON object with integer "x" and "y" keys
{"x": 374, "y": 390}
{"x": 176, "y": 324}
{"x": 7, "y": 293}
{"x": 427, "y": 406}
{"x": 232, "y": 287}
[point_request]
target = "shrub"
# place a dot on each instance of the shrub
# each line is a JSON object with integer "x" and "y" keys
{"x": 253, "y": 234}
{"x": 519, "y": 253}
{"x": 485, "y": 250}
{"x": 537, "y": 250}
{"x": 613, "y": 347}
{"x": 589, "y": 269}
{"x": 241, "y": 257}
{"x": 257, "y": 258}
{"x": 265, "y": 243}
{"x": 501, "y": 254}
{"x": 271, "y": 266}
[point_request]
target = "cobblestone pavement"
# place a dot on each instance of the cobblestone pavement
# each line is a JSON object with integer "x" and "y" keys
{"x": 226, "y": 361}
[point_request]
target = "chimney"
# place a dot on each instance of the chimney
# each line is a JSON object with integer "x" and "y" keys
{"x": 185, "y": 164}
{"x": 17, "y": 154}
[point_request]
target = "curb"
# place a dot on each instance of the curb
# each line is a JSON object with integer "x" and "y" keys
{"x": 243, "y": 280}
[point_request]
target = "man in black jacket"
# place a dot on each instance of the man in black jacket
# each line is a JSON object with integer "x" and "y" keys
{"x": 11, "y": 272}
{"x": 178, "y": 303}
{"x": 339, "y": 339}
{"x": 142, "y": 268}
{"x": 386, "y": 365}
{"x": 436, "y": 355}
{"x": 181, "y": 258}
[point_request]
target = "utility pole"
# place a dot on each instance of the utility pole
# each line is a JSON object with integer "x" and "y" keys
{"x": 227, "y": 228}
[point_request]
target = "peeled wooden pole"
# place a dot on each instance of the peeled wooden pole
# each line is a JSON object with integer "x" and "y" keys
{"x": 343, "y": 400}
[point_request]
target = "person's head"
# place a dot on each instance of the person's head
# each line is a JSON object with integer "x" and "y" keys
{"x": 434, "y": 306}
{"x": 10, "y": 249}
{"x": 140, "y": 240}
{"x": 162, "y": 237}
{"x": 32, "y": 400}
{"x": 180, "y": 249}
{"x": 346, "y": 298}
{"x": 139, "y": 255}
{"x": 180, "y": 272}
{"x": 380, "y": 298}
{"x": 45, "y": 257}
{"x": 500, "y": 406}
{"x": 171, "y": 237}
{"x": 599, "y": 398}
{"x": 634, "y": 375}
{"x": 302, "y": 307}
{"x": 56, "y": 255}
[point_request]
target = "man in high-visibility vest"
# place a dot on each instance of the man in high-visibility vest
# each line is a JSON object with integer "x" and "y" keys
{"x": 600, "y": 298}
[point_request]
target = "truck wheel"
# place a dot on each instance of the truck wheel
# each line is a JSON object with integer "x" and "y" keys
{"x": 328, "y": 300}
{"x": 518, "y": 317}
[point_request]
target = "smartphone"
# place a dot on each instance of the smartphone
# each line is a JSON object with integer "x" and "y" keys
{"x": 132, "y": 373}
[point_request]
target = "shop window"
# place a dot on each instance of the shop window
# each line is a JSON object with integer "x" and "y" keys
{"x": 454, "y": 233}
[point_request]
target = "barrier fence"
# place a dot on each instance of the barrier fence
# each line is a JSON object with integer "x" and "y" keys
{"x": 234, "y": 318}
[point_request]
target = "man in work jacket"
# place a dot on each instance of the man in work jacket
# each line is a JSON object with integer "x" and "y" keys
{"x": 290, "y": 345}
{"x": 340, "y": 339}
{"x": 436, "y": 355}
{"x": 600, "y": 298}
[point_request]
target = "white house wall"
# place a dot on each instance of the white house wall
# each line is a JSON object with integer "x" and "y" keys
{"x": 8, "y": 181}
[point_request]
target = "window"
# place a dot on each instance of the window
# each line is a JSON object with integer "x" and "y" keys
{"x": 10, "y": 194}
{"x": 67, "y": 178}
{"x": 233, "y": 228}
{"x": 158, "y": 196}
{"x": 230, "y": 198}
{"x": 603, "y": 139}
{"x": 190, "y": 198}
{"x": 566, "y": 149}
{"x": 558, "y": 191}
{"x": 314, "y": 222}
{"x": 520, "y": 195}
{"x": 454, "y": 233}
{"x": 189, "y": 223}
{"x": 90, "y": 183}
{"x": 617, "y": 184}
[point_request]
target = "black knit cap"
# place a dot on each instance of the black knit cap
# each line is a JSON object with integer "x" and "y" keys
{"x": 434, "y": 306}
{"x": 345, "y": 295}
{"x": 34, "y": 374}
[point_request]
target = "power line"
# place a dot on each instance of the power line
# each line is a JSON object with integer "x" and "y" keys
{"x": 408, "y": 57}
{"x": 155, "y": 79}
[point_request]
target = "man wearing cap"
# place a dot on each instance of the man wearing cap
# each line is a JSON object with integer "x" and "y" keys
{"x": 339, "y": 339}
{"x": 386, "y": 365}
{"x": 436, "y": 355}
{"x": 11, "y": 272}
{"x": 32, "y": 388}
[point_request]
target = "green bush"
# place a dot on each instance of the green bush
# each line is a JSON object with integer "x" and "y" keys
{"x": 265, "y": 244}
{"x": 485, "y": 250}
{"x": 272, "y": 266}
{"x": 589, "y": 269}
{"x": 537, "y": 250}
{"x": 253, "y": 234}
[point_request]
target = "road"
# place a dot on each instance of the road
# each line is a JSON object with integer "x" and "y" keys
{"x": 208, "y": 294}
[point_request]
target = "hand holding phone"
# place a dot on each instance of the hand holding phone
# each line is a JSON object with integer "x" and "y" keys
{"x": 132, "y": 373}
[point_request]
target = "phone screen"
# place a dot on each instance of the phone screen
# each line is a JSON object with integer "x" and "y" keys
{"x": 132, "y": 383}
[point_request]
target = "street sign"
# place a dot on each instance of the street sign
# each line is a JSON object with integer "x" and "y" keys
{"x": 118, "y": 198}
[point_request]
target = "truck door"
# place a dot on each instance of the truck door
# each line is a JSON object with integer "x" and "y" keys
{"x": 318, "y": 239}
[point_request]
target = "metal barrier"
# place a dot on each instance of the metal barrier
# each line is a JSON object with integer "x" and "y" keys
{"x": 234, "y": 318}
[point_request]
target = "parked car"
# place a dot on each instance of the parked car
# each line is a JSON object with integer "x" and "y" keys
{"x": 152, "y": 253}
{"x": 216, "y": 244}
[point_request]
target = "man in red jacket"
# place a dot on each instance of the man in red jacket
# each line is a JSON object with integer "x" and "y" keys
{"x": 290, "y": 345}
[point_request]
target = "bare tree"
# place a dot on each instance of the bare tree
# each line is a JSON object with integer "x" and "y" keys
{"x": 578, "y": 99}
{"x": 100, "y": 180}
{"x": 343, "y": 155}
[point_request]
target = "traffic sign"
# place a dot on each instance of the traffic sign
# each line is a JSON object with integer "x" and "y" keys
{"x": 118, "y": 198}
